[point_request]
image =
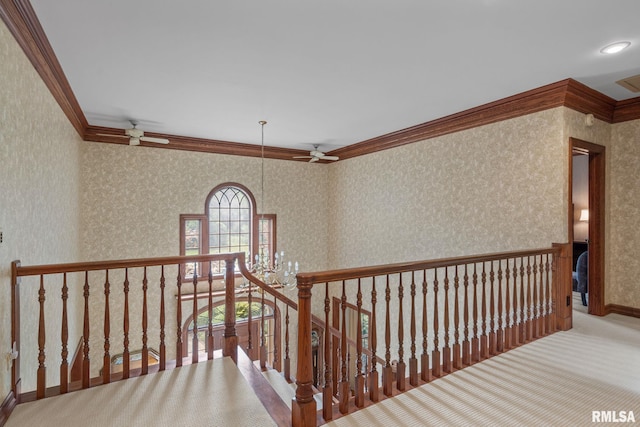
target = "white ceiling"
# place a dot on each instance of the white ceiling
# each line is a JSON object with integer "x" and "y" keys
{"x": 326, "y": 72}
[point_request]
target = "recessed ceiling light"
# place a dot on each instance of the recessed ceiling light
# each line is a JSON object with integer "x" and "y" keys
{"x": 615, "y": 47}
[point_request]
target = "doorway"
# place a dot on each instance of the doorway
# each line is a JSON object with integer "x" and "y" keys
{"x": 589, "y": 232}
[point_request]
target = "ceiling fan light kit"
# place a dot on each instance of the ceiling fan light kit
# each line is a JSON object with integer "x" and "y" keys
{"x": 136, "y": 135}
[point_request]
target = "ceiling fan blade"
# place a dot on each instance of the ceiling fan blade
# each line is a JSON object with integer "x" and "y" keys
{"x": 330, "y": 158}
{"x": 302, "y": 157}
{"x": 155, "y": 140}
{"x": 314, "y": 159}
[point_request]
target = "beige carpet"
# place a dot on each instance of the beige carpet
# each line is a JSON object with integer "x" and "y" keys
{"x": 188, "y": 396}
{"x": 555, "y": 381}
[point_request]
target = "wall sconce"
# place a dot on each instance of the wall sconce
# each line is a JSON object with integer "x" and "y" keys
{"x": 584, "y": 215}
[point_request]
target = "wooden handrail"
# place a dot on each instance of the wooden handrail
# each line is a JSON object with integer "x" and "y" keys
{"x": 402, "y": 267}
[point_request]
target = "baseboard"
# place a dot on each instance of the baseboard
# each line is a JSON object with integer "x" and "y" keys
{"x": 9, "y": 403}
{"x": 622, "y": 309}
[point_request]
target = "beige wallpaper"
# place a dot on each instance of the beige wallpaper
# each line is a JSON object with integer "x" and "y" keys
{"x": 132, "y": 198}
{"x": 494, "y": 188}
{"x": 623, "y": 273}
{"x": 39, "y": 215}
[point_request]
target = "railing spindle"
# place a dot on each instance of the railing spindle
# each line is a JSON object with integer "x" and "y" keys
{"x": 64, "y": 335}
{"x": 250, "y": 323}
{"x": 145, "y": 320}
{"x": 402, "y": 366}
{"x": 435, "y": 354}
{"x": 413, "y": 361}
{"x": 327, "y": 391}
{"x": 106, "y": 364}
{"x": 359, "y": 378}
{"x": 515, "y": 331}
{"x": 457, "y": 361}
{"x": 493, "y": 345}
{"x": 551, "y": 322}
{"x": 475, "y": 341}
{"x": 522, "y": 329}
{"x": 195, "y": 347}
{"x": 507, "y": 309}
{"x": 275, "y": 362}
{"x": 466, "y": 351}
{"x": 446, "y": 350}
{"x": 529, "y": 324}
{"x": 179, "y": 343}
{"x": 126, "y": 358}
{"x": 500, "y": 334}
{"x": 387, "y": 371}
{"x": 42, "y": 370}
{"x": 344, "y": 381}
{"x": 373, "y": 343}
{"x": 163, "y": 351}
{"x": 424, "y": 362}
{"x": 86, "y": 368}
{"x": 210, "y": 313}
{"x": 534, "y": 301}
{"x": 263, "y": 337}
{"x": 484, "y": 344}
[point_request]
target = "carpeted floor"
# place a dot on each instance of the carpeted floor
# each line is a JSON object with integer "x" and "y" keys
{"x": 179, "y": 397}
{"x": 556, "y": 381}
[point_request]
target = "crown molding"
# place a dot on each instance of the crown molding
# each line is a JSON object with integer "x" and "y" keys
{"x": 23, "y": 24}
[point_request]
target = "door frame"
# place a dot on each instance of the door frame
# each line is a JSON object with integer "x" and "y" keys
{"x": 596, "y": 224}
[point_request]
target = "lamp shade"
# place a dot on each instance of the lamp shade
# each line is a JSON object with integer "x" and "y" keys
{"x": 584, "y": 215}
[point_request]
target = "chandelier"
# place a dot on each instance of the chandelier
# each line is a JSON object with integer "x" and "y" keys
{"x": 272, "y": 271}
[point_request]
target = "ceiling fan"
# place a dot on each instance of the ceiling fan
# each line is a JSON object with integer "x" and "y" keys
{"x": 136, "y": 135}
{"x": 316, "y": 155}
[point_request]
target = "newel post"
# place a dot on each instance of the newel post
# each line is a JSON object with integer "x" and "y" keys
{"x": 562, "y": 267}
{"x": 230, "y": 337}
{"x": 303, "y": 410}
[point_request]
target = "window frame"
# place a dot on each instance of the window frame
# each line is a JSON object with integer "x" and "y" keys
{"x": 255, "y": 223}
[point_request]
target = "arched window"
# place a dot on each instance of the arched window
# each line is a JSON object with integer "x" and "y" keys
{"x": 230, "y": 224}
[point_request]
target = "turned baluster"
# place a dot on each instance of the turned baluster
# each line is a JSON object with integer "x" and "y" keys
{"x": 126, "y": 358}
{"x": 359, "y": 378}
{"x": 484, "y": 344}
{"x": 145, "y": 320}
{"x": 515, "y": 330}
{"x": 250, "y": 351}
{"x": 210, "y": 313}
{"x": 86, "y": 368}
{"x": 327, "y": 391}
{"x": 475, "y": 341}
{"x": 263, "y": 337}
{"x": 446, "y": 350}
{"x": 435, "y": 354}
{"x": 42, "y": 370}
{"x": 493, "y": 346}
{"x": 500, "y": 334}
{"x": 64, "y": 335}
{"x": 343, "y": 405}
{"x": 195, "y": 346}
{"x": 275, "y": 363}
{"x": 522, "y": 338}
{"x": 373, "y": 343}
{"x": 457, "y": 361}
{"x": 163, "y": 351}
{"x": 535, "y": 319}
{"x": 529, "y": 324}
{"x": 387, "y": 371}
{"x": 413, "y": 361}
{"x": 425, "y": 373}
{"x": 550, "y": 323}
{"x": 179, "y": 343}
{"x": 401, "y": 367}
{"x": 541, "y": 313}
{"x": 287, "y": 361}
{"x": 466, "y": 351}
{"x": 507, "y": 309}
{"x": 106, "y": 364}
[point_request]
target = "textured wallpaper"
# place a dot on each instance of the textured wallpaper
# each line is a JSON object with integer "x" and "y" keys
{"x": 494, "y": 188}
{"x": 39, "y": 215}
{"x": 132, "y": 198}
